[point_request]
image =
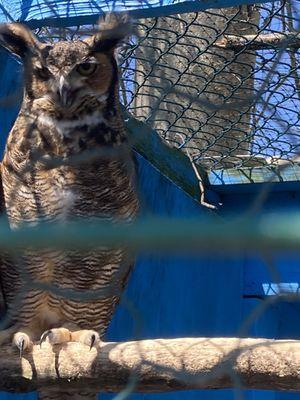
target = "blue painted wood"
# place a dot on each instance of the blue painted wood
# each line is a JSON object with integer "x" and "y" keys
{"x": 12, "y": 396}
{"x": 10, "y": 93}
{"x": 23, "y": 396}
{"x": 68, "y": 13}
{"x": 170, "y": 161}
{"x": 240, "y": 201}
{"x": 171, "y": 275}
{"x": 281, "y": 277}
{"x": 256, "y": 188}
{"x": 179, "y": 295}
{"x": 281, "y": 319}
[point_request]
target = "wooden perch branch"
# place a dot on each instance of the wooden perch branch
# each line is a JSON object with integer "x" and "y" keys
{"x": 160, "y": 365}
{"x": 261, "y": 41}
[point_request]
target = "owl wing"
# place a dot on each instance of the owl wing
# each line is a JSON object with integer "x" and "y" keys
{"x": 2, "y": 213}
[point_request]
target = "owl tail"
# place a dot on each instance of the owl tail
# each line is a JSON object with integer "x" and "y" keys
{"x": 82, "y": 395}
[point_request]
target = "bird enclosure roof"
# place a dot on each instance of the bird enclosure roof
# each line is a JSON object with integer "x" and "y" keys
{"x": 66, "y": 12}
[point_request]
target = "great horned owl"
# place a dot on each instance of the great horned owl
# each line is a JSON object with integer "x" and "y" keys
{"x": 70, "y": 107}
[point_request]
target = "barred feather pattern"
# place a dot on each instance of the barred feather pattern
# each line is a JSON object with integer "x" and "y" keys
{"x": 105, "y": 189}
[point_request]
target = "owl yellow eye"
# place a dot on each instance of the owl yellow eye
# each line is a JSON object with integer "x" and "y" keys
{"x": 86, "y": 69}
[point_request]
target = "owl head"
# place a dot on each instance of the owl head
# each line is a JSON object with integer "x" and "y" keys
{"x": 69, "y": 74}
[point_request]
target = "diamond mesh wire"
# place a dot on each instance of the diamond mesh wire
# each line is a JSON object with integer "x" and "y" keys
{"x": 234, "y": 106}
{"x": 228, "y": 108}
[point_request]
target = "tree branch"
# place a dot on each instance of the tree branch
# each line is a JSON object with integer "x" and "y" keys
{"x": 161, "y": 365}
{"x": 261, "y": 41}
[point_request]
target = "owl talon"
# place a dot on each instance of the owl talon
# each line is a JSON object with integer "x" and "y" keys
{"x": 88, "y": 337}
{"x": 44, "y": 336}
{"x": 20, "y": 344}
{"x": 56, "y": 336}
{"x": 22, "y": 341}
{"x": 93, "y": 339}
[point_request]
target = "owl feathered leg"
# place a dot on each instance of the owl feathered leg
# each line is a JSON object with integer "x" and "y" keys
{"x": 22, "y": 339}
{"x": 25, "y": 336}
{"x": 69, "y": 333}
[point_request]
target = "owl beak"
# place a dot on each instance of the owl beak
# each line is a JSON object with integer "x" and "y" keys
{"x": 65, "y": 93}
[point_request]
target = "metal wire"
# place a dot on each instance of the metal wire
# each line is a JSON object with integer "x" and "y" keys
{"x": 228, "y": 107}
{"x": 233, "y": 108}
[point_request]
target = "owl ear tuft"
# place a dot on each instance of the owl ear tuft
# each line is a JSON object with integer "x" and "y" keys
{"x": 19, "y": 39}
{"x": 114, "y": 28}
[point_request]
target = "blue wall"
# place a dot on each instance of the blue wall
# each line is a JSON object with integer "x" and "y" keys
{"x": 192, "y": 295}
{"x": 10, "y": 93}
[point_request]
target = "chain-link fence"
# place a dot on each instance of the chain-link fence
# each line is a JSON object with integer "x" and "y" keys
{"x": 222, "y": 85}
{"x": 230, "y": 101}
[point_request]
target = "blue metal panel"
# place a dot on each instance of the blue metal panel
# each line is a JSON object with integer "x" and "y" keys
{"x": 67, "y": 12}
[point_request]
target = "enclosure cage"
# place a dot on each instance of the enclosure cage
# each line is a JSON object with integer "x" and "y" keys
{"x": 220, "y": 84}
{"x": 210, "y": 93}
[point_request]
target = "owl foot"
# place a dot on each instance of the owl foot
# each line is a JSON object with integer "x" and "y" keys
{"x": 22, "y": 341}
{"x": 63, "y": 335}
{"x": 56, "y": 336}
{"x": 89, "y": 337}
